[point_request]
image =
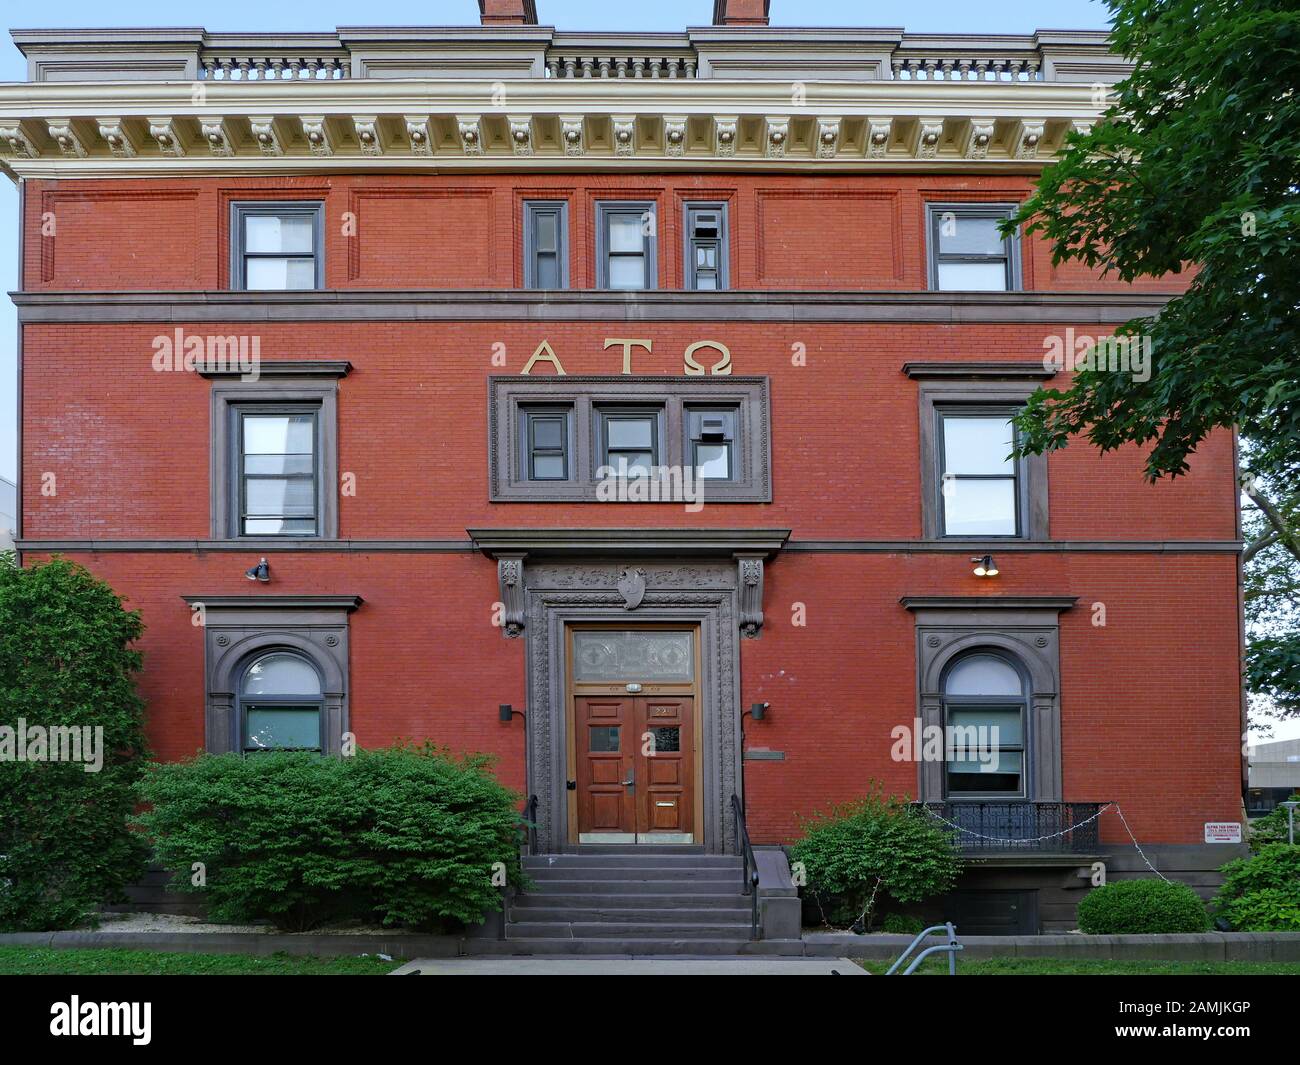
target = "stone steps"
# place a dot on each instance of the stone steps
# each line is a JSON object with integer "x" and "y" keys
{"x": 623, "y": 948}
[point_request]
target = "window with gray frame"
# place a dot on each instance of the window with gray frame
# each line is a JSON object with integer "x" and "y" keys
{"x": 629, "y": 439}
{"x": 551, "y": 436}
{"x": 280, "y": 704}
{"x": 546, "y": 244}
{"x": 547, "y": 446}
{"x": 706, "y": 246}
{"x": 278, "y": 472}
{"x": 625, "y": 245}
{"x": 711, "y": 440}
{"x": 978, "y": 477}
{"x": 967, "y": 250}
{"x": 985, "y": 713}
{"x": 277, "y": 246}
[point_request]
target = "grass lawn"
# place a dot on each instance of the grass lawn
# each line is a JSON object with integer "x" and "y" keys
{"x": 935, "y": 966}
{"x": 46, "y": 961}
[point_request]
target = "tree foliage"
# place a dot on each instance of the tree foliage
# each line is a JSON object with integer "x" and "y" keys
{"x": 66, "y": 661}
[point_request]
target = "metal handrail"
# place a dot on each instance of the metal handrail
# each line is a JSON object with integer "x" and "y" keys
{"x": 529, "y": 814}
{"x": 751, "y": 865}
{"x": 951, "y": 946}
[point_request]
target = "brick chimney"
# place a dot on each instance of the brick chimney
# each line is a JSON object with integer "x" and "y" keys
{"x": 508, "y": 12}
{"x": 740, "y": 12}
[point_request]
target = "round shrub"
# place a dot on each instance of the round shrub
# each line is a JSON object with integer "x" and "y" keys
{"x": 404, "y": 836}
{"x": 1128, "y": 907}
{"x": 856, "y": 856}
{"x": 1262, "y": 893}
{"x": 67, "y": 682}
{"x": 901, "y": 924}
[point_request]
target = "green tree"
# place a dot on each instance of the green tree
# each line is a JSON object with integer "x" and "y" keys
{"x": 1197, "y": 161}
{"x": 66, "y": 661}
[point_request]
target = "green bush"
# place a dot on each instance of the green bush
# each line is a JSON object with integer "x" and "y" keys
{"x": 901, "y": 924}
{"x": 1127, "y": 907}
{"x": 857, "y": 855}
{"x": 1262, "y": 893}
{"x": 1272, "y": 827}
{"x": 66, "y": 663}
{"x": 404, "y": 836}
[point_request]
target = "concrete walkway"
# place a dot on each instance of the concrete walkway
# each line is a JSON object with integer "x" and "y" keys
{"x": 630, "y": 967}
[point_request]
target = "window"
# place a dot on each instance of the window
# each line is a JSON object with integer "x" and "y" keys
{"x": 984, "y": 713}
{"x": 280, "y": 703}
{"x": 546, "y": 437}
{"x": 277, "y": 471}
{"x": 546, "y": 244}
{"x": 276, "y": 246}
{"x": 274, "y": 464}
{"x": 625, "y": 246}
{"x": 550, "y": 437}
{"x": 978, "y": 477}
{"x": 968, "y": 252}
{"x": 706, "y": 246}
{"x": 629, "y": 440}
{"x": 712, "y": 435}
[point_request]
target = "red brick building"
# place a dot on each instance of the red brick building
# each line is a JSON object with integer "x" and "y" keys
{"x": 471, "y": 268}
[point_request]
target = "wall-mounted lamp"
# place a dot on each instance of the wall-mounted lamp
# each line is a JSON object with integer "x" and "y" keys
{"x": 758, "y": 711}
{"x": 985, "y": 566}
{"x": 505, "y": 712}
{"x": 260, "y": 572}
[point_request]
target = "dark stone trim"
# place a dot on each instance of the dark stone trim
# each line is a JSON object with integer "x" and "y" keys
{"x": 281, "y": 602}
{"x": 796, "y": 307}
{"x": 981, "y": 602}
{"x": 285, "y": 368}
{"x": 629, "y": 543}
{"x": 942, "y": 370}
{"x": 764, "y": 755}
{"x": 843, "y": 547}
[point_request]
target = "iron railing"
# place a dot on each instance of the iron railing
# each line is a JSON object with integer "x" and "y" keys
{"x": 529, "y": 826}
{"x": 751, "y": 864}
{"x": 1002, "y": 827}
{"x": 950, "y": 946}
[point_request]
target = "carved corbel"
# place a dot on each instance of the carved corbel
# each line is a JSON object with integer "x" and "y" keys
{"x": 417, "y": 132}
{"x": 624, "y": 134}
{"x": 521, "y": 134}
{"x": 750, "y": 588}
{"x": 778, "y": 136}
{"x": 828, "y": 137}
{"x": 217, "y": 134}
{"x": 366, "y": 128}
{"x": 165, "y": 134}
{"x": 16, "y": 143}
{"x": 317, "y": 134}
{"x": 675, "y": 134}
{"x": 115, "y": 136}
{"x": 571, "y": 134}
{"x": 66, "y": 138}
{"x": 979, "y": 135}
{"x": 879, "y": 131}
{"x": 1029, "y": 135}
{"x": 510, "y": 579}
{"x": 725, "y": 134}
{"x": 266, "y": 135}
{"x": 927, "y": 140}
{"x": 470, "y": 128}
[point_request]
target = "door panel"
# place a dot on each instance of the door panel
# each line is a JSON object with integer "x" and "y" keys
{"x": 636, "y": 769}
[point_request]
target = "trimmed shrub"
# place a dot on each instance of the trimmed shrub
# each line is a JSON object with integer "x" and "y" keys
{"x": 1272, "y": 827}
{"x": 65, "y": 665}
{"x": 1131, "y": 907}
{"x": 857, "y": 855}
{"x": 1262, "y": 893}
{"x": 404, "y": 836}
{"x": 901, "y": 924}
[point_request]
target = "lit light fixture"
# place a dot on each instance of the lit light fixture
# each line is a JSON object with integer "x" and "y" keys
{"x": 985, "y": 566}
{"x": 260, "y": 572}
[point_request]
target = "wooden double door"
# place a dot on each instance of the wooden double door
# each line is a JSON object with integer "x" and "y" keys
{"x": 635, "y": 768}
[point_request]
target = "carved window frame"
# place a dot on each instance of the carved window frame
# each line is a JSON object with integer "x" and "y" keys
{"x": 585, "y": 396}
{"x": 974, "y": 396}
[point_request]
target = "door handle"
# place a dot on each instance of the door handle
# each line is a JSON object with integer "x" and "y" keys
{"x": 630, "y": 782}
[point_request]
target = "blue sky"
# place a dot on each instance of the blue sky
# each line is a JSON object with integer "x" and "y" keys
{"x": 665, "y": 15}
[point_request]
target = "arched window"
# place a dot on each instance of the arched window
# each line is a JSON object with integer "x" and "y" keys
{"x": 280, "y": 704}
{"x": 985, "y": 713}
